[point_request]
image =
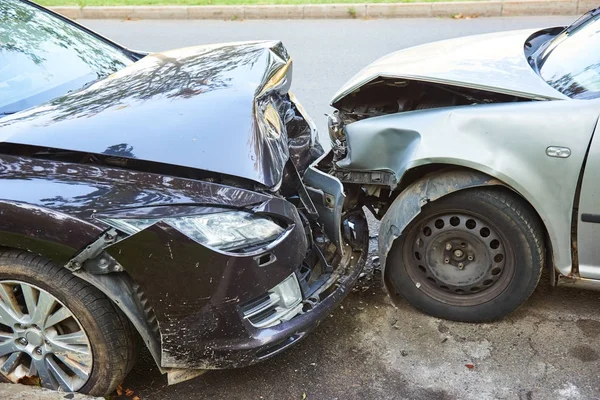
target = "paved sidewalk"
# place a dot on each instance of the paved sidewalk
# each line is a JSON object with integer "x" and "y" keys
{"x": 485, "y": 8}
{"x": 21, "y": 392}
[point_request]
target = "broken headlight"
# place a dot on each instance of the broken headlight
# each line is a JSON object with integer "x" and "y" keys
{"x": 229, "y": 230}
{"x": 335, "y": 127}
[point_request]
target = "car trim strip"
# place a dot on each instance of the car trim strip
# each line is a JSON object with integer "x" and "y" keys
{"x": 593, "y": 218}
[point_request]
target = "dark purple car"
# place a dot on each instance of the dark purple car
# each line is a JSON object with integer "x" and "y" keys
{"x": 177, "y": 197}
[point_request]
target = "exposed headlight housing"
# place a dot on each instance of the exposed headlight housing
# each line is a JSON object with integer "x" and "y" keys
{"x": 335, "y": 127}
{"x": 227, "y": 231}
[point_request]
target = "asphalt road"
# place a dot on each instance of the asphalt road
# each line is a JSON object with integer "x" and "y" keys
{"x": 368, "y": 349}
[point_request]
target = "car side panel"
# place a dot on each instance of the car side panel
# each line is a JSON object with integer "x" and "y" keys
{"x": 505, "y": 141}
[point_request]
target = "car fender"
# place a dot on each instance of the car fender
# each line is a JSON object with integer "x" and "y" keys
{"x": 58, "y": 237}
{"x": 49, "y": 233}
{"x": 128, "y": 296}
{"x": 507, "y": 142}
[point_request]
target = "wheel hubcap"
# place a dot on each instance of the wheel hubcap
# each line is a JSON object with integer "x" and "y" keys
{"x": 458, "y": 258}
{"x": 41, "y": 338}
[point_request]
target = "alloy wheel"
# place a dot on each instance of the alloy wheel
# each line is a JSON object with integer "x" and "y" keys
{"x": 40, "y": 338}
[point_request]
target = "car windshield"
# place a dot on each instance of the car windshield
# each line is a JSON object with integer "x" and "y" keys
{"x": 571, "y": 63}
{"x": 43, "y": 57}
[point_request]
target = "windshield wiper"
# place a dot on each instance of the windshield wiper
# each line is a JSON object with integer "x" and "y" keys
{"x": 541, "y": 55}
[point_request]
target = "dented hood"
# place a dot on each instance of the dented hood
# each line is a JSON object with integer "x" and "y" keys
{"x": 192, "y": 107}
{"x": 493, "y": 62}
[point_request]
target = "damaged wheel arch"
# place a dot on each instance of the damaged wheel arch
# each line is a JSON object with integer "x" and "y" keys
{"x": 424, "y": 190}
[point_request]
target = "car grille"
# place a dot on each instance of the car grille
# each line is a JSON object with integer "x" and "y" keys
{"x": 271, "y": 309}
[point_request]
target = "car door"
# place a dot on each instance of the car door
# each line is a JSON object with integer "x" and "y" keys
{"x": 588, "y": 215}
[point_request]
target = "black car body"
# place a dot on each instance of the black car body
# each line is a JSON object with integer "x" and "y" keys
{"x": 175, "y": 139}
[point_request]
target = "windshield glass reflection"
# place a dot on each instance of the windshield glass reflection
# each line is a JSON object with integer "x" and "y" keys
{"x": 573, "y": 64}
{"x": 43, "y": 57}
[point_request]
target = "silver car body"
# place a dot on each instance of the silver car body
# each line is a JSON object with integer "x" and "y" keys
{"x": 507, "y": 142}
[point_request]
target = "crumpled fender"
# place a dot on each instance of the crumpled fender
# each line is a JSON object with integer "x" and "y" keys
{"x": 409, "y": 203}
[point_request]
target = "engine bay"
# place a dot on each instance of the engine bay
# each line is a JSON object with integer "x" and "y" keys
{"x": 390, "y": 96}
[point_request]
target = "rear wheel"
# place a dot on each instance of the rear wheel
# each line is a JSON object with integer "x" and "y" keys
{"x": 473, "y": 256}
{"x": 59, "y": 331}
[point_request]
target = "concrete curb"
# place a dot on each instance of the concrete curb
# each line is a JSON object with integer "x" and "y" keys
{"x": 9, "y": 391}
{"x": 484, "y": 8}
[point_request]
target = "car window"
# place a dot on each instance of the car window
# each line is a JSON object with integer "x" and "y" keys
{"x": 572, "y": 63}
{"x": 43, "y": 57}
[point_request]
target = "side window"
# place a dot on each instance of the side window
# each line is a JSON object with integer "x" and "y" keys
{"x": 43, "y": 57}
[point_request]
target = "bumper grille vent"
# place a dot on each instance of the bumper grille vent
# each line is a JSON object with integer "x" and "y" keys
{"x": 279, "y": 304}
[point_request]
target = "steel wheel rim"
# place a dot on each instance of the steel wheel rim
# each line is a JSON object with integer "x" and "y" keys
{"x": 40, "y": 337}
{"x": 459, "y": 258}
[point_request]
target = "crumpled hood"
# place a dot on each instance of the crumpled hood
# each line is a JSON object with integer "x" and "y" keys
{"x": 192, "y": 107}
{"x": 493, "y": 62}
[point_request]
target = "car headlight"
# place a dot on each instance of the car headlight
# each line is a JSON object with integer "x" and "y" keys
{"x": 229, "y": 230}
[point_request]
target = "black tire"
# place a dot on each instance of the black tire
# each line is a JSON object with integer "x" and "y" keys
{"x": 110, "y": 334}
{"x": 510, "y": 265}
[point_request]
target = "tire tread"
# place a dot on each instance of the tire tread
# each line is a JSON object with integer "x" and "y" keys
{"x": 528, "y": 218}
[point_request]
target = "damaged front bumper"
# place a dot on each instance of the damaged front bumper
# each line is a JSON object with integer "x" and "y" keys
{"x": 261, "y": 344}
{"x": 214, "y": 309}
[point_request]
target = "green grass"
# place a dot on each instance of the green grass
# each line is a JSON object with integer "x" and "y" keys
{"x": 83, "y": 3}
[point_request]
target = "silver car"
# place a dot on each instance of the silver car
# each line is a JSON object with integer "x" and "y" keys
{"x": 480, "y": 157}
